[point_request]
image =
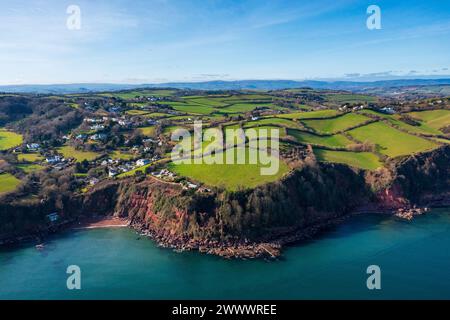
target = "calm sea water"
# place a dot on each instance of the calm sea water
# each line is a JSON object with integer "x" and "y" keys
{"x": 414, "y": 258}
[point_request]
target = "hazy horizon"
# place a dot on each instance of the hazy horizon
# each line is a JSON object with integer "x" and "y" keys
{"x": 162, "y": 41}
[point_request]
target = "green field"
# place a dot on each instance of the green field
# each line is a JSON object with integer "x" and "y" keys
{"x": 390, "y": 141}
{"x": 338, "y": 124}
{"x": 137, "y": 112}
{"x": 29, "y": 157}
{"x": 171, "y": 129}
{"x": 9, "y": 139}
{"x": 8, "y": 182}
{"x": 78, "y": 155}
{"x": 435, "y": 119}
{"x": 147, "y": 131}
{"x": 28, "y": 168}
{"x": 309, "y": 114}
{"x": 211, "y": 102}
{"x": 240, "y": 108}
{"x": 228, "y": 176}
{"x": 273, "y": 121}
{"x": 349, "y": 98}
{"x": 192, "y": 108}
{"x": 423, "y": 128}
{"x": 116, "y": 154}
{"x": 334, "y": 141}
{"x": 362, "y": 160}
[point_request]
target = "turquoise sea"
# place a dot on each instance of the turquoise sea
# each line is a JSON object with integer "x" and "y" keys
{"x": 414, "y": 258}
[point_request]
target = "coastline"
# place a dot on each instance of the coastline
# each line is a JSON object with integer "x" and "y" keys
{"x": 101, "y": 222}
{"x": 269, "y": 247}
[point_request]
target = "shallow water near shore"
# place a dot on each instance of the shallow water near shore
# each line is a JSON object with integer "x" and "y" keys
{"x": 414, "y": 258}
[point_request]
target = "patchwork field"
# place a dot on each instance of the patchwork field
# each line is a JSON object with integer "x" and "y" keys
{"x": 29, "y": 157}
{"x": 9, "y": 139}
{"x": 334, "y": 141}
{"x": 230, "y": 176}
{"x": 121, "y": 155}
{"x": 435, "y": 119}
{"x": 28, "y": 168}
{"x": 390, "y": 141}
{"x": 349, "y": 98}
{"x": 192, "y": 108}
{"x": 8, "y": 182}
{"x": 362, "y": 160}
{"x": 273, "y": 121}
{"x": 147, "y": 131}
{"x": 309, "y": 114}
{"x": 78, "y": 155}
{"x": 333, "y": 125}
{"x": 423, "y": 128}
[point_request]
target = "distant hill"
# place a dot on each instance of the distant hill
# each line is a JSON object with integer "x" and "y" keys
{"x": 225, "y": 85}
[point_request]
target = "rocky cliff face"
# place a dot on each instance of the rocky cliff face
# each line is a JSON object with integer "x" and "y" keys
{"x": 252, "y": 222}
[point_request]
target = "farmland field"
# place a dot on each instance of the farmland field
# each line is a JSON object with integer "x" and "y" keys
{"x": 9, "y": 139}
{"x": 362, "y": 160}
{"x": 390, "y": 141}
{"x": 423, "y": 128}
{"x": 336, "y": 124}
{"x": 229, "y": 176}
{"x": 78, "y": 155}
{"x": 136, "y": 112}
{"x": 192, "y": 108}
{"x": 8, "y": 182}
{"x": 121, "y": 155}
{"x": 29, "y": 157}
{"x": 334, "y": 141}
{"x": 239, "y": 108}
{"x": 273, "y": 121}
{"x": 211, "y": 102}
{"x": 350, "y": 98}
{"x": 435, "y": 119}
{"x": 28, "y": 168}
{"x": 147, "y": 131}
{"x": 309, "y": 114}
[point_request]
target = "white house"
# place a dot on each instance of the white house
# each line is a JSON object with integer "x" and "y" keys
{"x": 142, "y": 162}
{"x": 33, "y": 146}
{"x": 53, "y": 159}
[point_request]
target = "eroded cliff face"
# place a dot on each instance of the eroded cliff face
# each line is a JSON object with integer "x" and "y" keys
{"x": 252, "y": 222}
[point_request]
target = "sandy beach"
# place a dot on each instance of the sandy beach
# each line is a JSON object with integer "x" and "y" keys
{"x": 103, "y": 222}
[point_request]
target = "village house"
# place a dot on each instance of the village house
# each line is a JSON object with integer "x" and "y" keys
{"x": 93, "y": 181}
{"x": 98, "y": 137}
{"x": 97, "y": 127}
{"x": 112, "y": 172}
{"x": 388, "y": 110}
{"x": 33, "y": 146}
{"x": 53, "y": 159}
{"x": 142, "y": 162}
{"x": 53, "y": 217}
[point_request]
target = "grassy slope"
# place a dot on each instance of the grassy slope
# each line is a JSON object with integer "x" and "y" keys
{"x": 336, "y": 124}
{"x": 9, "y": 139}
{"x": 71, "y": 152}
{"x": 309, "y": 114}
{"x": 333, "y": 141}
{"x": 229, "y": 176}
{"x": 8, "y": 182}
{"x": 435, "y": 119}
{"x": 29, "y": 157}
{"x": 391, "y": 142}
{"x": 362, "y": 160}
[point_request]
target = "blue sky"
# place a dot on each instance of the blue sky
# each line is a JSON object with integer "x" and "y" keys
{"x": 195, "y": 40}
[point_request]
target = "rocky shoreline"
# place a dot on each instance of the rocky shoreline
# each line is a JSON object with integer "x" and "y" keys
{"x": 271, "y": 248}
{"x": 265, "y": 249}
